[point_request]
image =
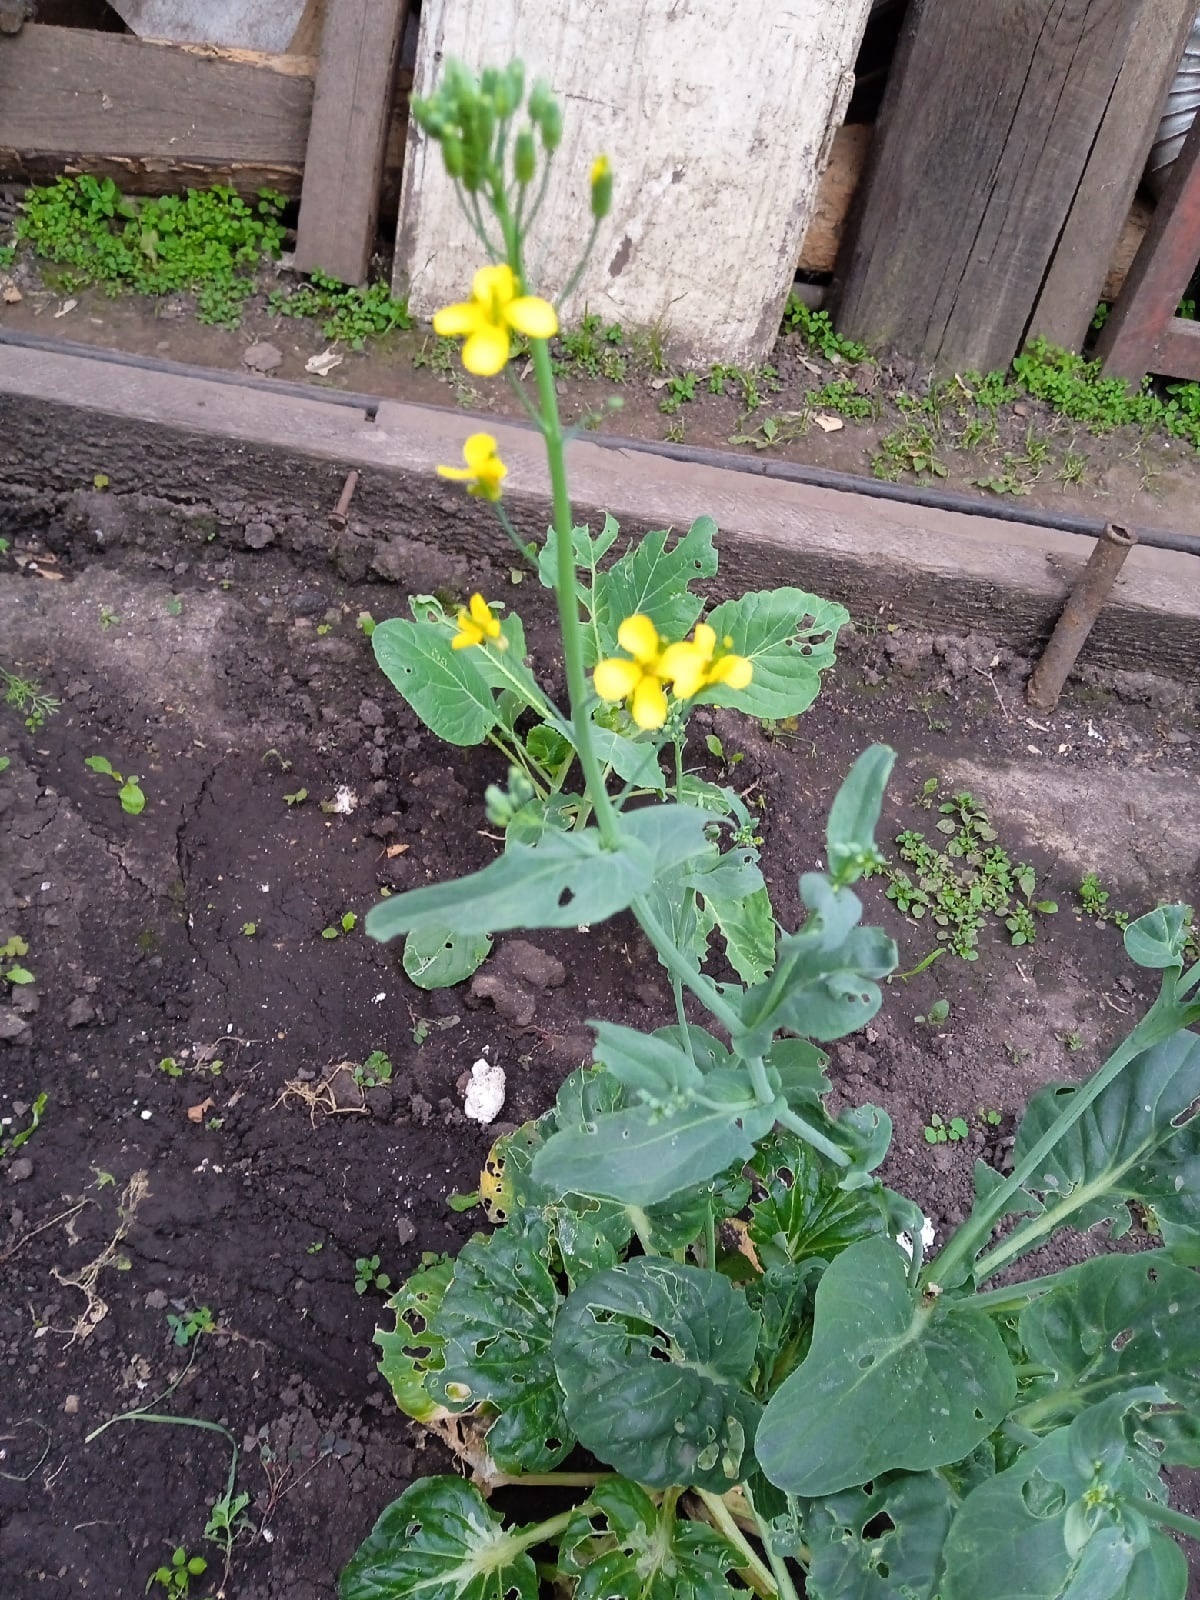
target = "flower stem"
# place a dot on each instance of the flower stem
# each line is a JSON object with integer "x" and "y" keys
{"x": 756, "y": 1574}
{"x": 783, "y": 1578}
{"x": 679, "y": 967}
{"x": 1178, "y": 1521}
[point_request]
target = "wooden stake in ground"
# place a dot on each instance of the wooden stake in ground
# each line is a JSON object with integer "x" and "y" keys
{"x": 339, "y": 203}
{"x": 1079, "y": 616}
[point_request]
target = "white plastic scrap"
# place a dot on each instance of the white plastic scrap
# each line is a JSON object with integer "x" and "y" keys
{"x": 927, "y": 1233}
{"x": 344, "y": 800}
{"x": 485, "y": 1092}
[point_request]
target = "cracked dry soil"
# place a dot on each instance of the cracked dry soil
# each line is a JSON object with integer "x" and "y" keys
{"x": 227, "y": 679}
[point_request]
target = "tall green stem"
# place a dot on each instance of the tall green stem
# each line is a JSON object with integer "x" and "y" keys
{"x": 756, "y": 1574}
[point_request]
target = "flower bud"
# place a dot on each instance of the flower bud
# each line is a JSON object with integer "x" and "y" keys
{"x": 453, "y": 155}
{"x": 602, "y": 184}
{"x": 539, "y": 98}
{"x": 552, "y": 125}
{"x": 516, "y": 82}
{"x": 498, "y": 806}
{"x": 524, "y": 157}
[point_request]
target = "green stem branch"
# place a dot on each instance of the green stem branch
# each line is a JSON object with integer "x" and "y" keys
{"x": 756, "y": 1574}
{"x": 1177, "y": 1521}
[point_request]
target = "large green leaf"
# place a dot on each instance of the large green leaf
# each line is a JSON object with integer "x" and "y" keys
{"x": 1157, "y": 939}
{"x": 495, "y": 1324}
{"x": 412, "y": 1349}
{"x": 439, "y": 1541}
{"x": 735, "y": 900}
{"x": 1111, "y": 1324}
{"x": 854, "y": 815}
{"x": 620, "y": 1544}
{"x": 1051, "y": 1528}
{"x": 442, "y": 685}
{"x": 1135, "y": 1142}
{"x": 437, "y": 958}
{"x": 802, "y": 1212}
{"x": 787, "y": 635}
{"x": 881, "y": 1543}
{"x": 652, "y": 1357}
{"x": 562, "y": 881}
{"x": 824, "y": 983}
{"x": 652, "y": 579}
{"x": 891, "y": 1381}
{"x": 588, "y": 551}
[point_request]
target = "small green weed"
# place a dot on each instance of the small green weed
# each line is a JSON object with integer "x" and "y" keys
{"x": 750, "y": 385}
{"x": 347, "y": 314}
{"x": 845, "y": 398}
{"x": 296, "y": 798}
{"x": 939, "y": 1130}
{"x": 936, "y": 1015}
{"x": 23, "y": 1135}
{"x": 817, "y": 330}
{"x": 680, "y": 389}
{"x": 368, "y": 1276}
{"x": 346, "y": 924}
{"x": 593, "y": 350}
{"x": 911, "y": 449}
{"x": 26, "y": 697}
{"x": 11, "y": 970}
{"x": 207, "y": 241}
{"x": 129, "y": 791}
{"x": 171, "y": 1067}
{"x": 374, "y": 1072}
{"x": 177, "y": 1577}
{"x": 249, "y": 929}
{"x": 1073, "y": 1041}
{"x": 189, "y": 1325}
{"x": 108, "y": 618}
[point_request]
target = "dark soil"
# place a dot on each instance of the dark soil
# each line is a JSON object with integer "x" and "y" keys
{"x": 227, "y": 679}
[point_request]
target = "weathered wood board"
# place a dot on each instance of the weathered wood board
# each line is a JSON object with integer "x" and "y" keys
{"x": 715, "y": 118}
{"x": 249, "y": 24}
{"x": 1093, "y": 229}
{"x": 352, "y": 108}
{"x": 985, "y": 133}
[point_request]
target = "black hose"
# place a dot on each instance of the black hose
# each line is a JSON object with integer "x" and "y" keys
{"x": 731, "y": 461}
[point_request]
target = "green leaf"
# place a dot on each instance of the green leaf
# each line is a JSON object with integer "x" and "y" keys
{"x": 133, "y": 801}
{"x": 443, "y": 686}
{"x": 631, "y": 759}
{"x": 652, "y": 579}
{"x": 854, "y": 816}
{"x": 496, "y": 1321}
{"x": 100, "y": 764}
{"x": 588, "y": 553}
{"x": 438, "y": 958}
{"x": 798, "y": 1068}
{"x": 1157, "y": 939}
{"x": 548, "y": 747}
{"x": 413, "y": 1349}
{"x": 652, "y": 1357}
{"x": 18, "y": 975}
{"x": 1030, "y": 1534}
{"x": 1111, "y": 1324}
{"x": 890, "y": 1381}
{"x": 620, "y": 1543}
{"x": 1135, "y": 1142}
{"x": 783, "y": 1298}
{"x": 439, "y": 1541}
{"x": 787, "y": 635}
{"x": 881, "y": 1543}
{"x": 803, "y": 1212}
{"x": 564, "y": 880}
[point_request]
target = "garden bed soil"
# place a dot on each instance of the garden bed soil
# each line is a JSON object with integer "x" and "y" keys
{"x": 228, "y": 679}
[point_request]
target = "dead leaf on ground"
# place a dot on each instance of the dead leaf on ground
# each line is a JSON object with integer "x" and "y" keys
{"x": 826, "y": 423}
{"x": 322, "y": 365}
{"x": 9, "y": 292}
{"x": 67, "y": 305}
{"x": 394, "y": 850}
{"x": 198, "y": 1113}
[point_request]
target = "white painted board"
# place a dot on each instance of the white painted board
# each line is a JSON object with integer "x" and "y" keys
{"x": 716, "y": 115}
{"x": 239, "y": 24}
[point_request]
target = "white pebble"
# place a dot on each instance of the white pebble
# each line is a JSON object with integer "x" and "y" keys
{"x": 484, "y": 1098}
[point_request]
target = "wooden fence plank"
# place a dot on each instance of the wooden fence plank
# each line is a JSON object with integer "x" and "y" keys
{"x": 339, "y": 203}
{"x": 71, "y": 99}
{"x": 1089, "y": 240}
{"x": 983, "y": 137}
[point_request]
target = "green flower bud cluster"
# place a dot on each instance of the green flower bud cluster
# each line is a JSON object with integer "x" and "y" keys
{"x": 503, "y": 804}
{"x": 470, "y": 118}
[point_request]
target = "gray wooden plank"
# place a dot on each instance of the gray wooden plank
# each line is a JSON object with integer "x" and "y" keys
{"x": 984, "y": 135}
{"x": 339, "y": 203}
{"x": 1076, "y": 276}
{"x": 71, "y": 99}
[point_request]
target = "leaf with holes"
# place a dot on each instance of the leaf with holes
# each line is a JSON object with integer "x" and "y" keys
{"x": 439, "y": 1541}
{"x": 413, "y": 1349}
{"x": 495, "y": 1323}
{"x": 653, "y": 1357}
{"x": 802, "y": 1211}
{"x": 890, "y": 1381}
{"x": 1051, "y": 1527}
{"x": 620, "y": 1543}
{"x": 1136, "y": 1142}
{"x": 442, "y": 685}
{"x": 1111, "y": 1324}
{"x": 787, "y": 636}
{"x": 1157, "y": 940}
{"x": 438, "y": 958}
{"x": 652, "y": 579}
{"x": 879, "y": 1543}
{"x": 563, "y": 880}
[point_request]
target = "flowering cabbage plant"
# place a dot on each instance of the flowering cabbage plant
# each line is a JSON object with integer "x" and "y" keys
{"x": 699, "y": 1295}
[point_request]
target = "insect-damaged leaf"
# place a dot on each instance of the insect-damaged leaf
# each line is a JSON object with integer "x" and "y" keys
{"x": 787, "y": 636}
{"x": 620, "y": 1543}
{"x": 652, "y": 1357}
{"x": 890, "y": 1381}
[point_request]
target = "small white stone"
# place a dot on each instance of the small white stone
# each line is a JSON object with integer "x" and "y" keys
{"x": 344, "y": 800}
{"x": 378, "y": 999}
{"x": 147, "y": 1114}
{"x": 484, "y": 1098}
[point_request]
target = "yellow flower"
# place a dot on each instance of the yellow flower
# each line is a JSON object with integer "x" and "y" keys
{"x": 475, "y": 624}
{"x": 600, "y": 170}
{"x": 639, "y": 681}
{"x": 697, "y": 663}
{"x": 484, "y": 471}
{"x": 486, "y": 320}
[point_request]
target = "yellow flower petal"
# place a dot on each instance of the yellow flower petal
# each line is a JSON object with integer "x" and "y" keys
{"x": 684, "y": 666}
{"x": 480, "y": 610}
{"x": 648, "y": 704}
{"x": 486, "y": 350}
{"x": 638, "y": 635}
{"x": 614, "y": 679}
{"x": 478, "y": 451}
{"x": 458, "y": 473}
{"x": 494, "y": 287}
{"x": 705, "y": 640}
{"x": 454, "y": 321}
{"x": 733, "y": 671}
{"x": 533, "y": 317}
{"x": 600, "y": 169}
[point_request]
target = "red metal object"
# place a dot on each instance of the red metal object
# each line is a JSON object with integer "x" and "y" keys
{"x": 1142, "y": 333}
